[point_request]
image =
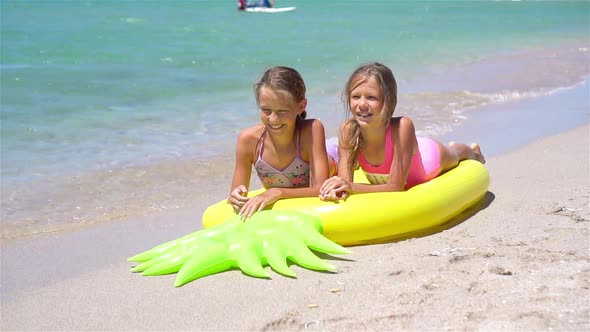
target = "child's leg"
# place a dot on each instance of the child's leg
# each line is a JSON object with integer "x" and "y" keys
{"x": 451, "y": 155}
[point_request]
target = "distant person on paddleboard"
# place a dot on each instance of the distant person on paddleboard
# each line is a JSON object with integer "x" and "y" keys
{"x": 243, "y": 4}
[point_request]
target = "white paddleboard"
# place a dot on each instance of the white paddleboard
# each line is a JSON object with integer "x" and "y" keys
{"x": 270, "y": 10}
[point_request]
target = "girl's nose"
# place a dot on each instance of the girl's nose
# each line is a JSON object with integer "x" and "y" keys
{"x": 273, "y": 117}
{"x": 363, "y": 103}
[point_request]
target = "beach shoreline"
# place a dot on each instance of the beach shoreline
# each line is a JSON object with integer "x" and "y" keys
{"x": 522, "y": 262}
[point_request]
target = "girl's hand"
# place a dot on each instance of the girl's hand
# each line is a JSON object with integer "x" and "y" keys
{"x": 335, "y": 189}
{"x": 238, "y": 197}
{"x": 259, "y": 202}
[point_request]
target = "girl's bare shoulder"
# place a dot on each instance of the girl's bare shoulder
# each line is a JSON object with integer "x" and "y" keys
{"x": 401, "y": 120}
{"x": 250, "y": 135}
{"x": 346, "y": 126}
{"x": 310, "y": 126}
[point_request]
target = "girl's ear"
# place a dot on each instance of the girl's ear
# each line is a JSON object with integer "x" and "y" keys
{"x": 302, "y": 106}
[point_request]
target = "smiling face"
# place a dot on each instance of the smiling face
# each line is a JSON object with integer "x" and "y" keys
{"x": 279, "y": 110}
{"x": 366, "y": 102}
{"x": 370, "y": 94}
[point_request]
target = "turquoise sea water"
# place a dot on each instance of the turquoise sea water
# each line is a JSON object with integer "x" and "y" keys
{"x": 111, "y": 109}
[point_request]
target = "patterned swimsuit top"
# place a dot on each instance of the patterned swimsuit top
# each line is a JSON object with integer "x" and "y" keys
{"x": 296, "y": 174}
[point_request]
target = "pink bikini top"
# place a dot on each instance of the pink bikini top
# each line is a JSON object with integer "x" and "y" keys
{"x": 296, "y": 174}
{"x": 425, "y": 162}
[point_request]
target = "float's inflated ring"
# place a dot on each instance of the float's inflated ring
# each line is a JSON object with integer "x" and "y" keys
{"x": 381, "y": 217}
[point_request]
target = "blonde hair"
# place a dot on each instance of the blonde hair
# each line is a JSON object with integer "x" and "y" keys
{"x": 281, "y": 78}
{"x": 388, "y": 86}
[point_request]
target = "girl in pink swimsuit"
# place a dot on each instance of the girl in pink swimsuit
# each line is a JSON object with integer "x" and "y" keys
{"x": 385, "y": 147}
{"x": 287, "y": 150}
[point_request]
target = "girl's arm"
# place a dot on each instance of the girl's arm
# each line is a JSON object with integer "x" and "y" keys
{"x": 318, "y": 158}
{"x": 405, "y": 146}
{"x": 312, "y": 146}
{"x": 345, "y": 171}
{"x": 245, "y": 147}
{"x": 340, "y": 186}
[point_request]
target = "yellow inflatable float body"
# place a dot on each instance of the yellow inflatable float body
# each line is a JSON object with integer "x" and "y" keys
{"x": 382, "y": 217}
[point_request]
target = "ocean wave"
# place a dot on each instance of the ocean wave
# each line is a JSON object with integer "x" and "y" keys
{"x": 437, "y": 113}
{"x": 507, "y": 96}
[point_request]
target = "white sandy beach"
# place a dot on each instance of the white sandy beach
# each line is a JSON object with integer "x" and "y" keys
{"x": 521, "y": 262}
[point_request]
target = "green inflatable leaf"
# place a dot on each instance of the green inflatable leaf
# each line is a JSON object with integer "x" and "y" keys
{"x": 267, "y": 238}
